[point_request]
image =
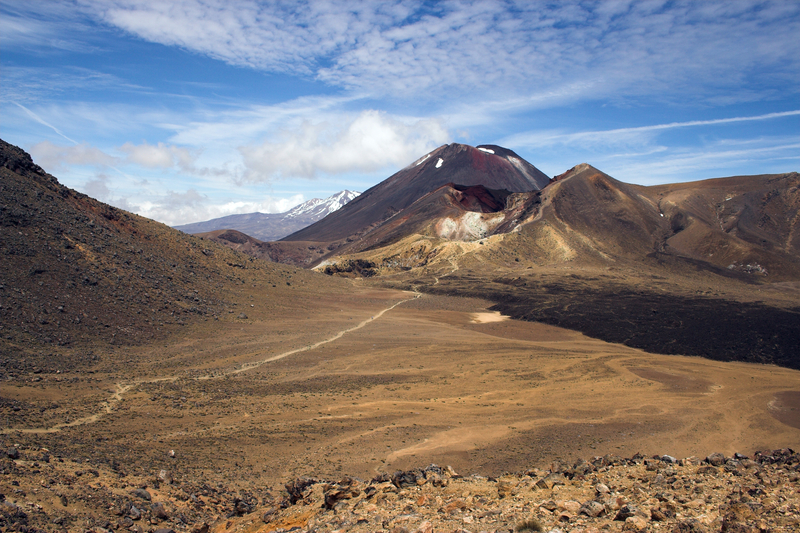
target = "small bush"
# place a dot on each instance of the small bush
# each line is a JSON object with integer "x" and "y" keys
{"x": 531, "y": 524}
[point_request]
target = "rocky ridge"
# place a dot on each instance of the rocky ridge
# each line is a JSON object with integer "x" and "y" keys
{"x": 40, "y": 492}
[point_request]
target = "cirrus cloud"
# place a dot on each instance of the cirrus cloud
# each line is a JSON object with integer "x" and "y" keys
{"x": 406, "y": 48}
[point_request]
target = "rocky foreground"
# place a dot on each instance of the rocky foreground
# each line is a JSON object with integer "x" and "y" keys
{"x": 41, "y": 492}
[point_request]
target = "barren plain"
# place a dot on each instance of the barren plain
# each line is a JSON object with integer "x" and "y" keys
{"x": 377, "y": 381}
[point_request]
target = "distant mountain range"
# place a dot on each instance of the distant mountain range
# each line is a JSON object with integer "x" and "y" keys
{"x": 737, "y": 226}
{"x": 274, "y": 226}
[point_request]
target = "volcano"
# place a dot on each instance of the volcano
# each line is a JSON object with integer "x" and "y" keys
{"x": 492, "y": 167}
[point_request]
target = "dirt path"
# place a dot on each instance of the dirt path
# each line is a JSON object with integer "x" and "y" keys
{"x": 107, "y": 406}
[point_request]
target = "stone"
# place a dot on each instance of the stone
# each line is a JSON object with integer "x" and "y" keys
{"x": 200, "y": 528}
{"x": 240, "y": 507}
{"x": 164, "y": 476}
{"x": 740, "y": 512}
{"x": 457, "y": 505}
{"x": 737, "y": 519}
{"x": 269, "y": 514}
{"x": 625, "y": 512}
{"x": 716, "y": 459}
{"x": 551, "y": 481}
{"x": 592, "y": 508}
{"x": 601, "y": 488}
{"x": 735, "y": 527}
{"x": 634, "y": 523}
{"x": 691, "y": 525}
{"x": 142, "y": 494}
{"x": 504, "y": 488}
{"x": 425, "y": 527}
{"x": 550, "y": 505}
{"x": 571, "y": 506}
{"x": 297, "y": 487}
{"x": 159, "y": 511}
{"x": 406, "y": 479}
{"x": 438, "y": 480}
{"x": 12, "y": 453}
{"x": 657, "y": 515}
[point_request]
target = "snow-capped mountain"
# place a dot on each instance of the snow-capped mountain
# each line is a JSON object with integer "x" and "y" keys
{"x": 319, "y": 209}
{"x": 273, "y": 226}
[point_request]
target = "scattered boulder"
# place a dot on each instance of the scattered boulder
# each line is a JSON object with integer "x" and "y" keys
{"x": 691, "y": 525}
{"x": 297, "y": 487}
{"x": 626, "y": 511}
{"x": 592, "y": 508}
{"x": 505, "y": 488}
{"x": 716, "y": 459}
{"x": 551, "y": 481}
{"x": 142, "y": 494}
{"x": 164, "y": 476}
{"x": 159, "y": 511}
{"x": 635, "y": 523}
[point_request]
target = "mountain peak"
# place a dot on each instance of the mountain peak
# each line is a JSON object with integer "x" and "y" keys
{"x": 317, "y": 208}
{"x": 489, "y": 165}
{"x": 273, "y": 226}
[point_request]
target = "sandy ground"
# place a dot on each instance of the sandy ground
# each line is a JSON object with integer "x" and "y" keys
{"x": 354, "y": 387}
{"x": 484, "y": 318}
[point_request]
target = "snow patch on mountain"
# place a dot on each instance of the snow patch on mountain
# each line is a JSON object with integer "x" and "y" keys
{"x": 418, "y": 163}
{"x": 487, "y": 150}
{"x": 439, "y": 162}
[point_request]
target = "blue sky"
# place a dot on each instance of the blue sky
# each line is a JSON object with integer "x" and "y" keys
{"x": 190, "y": 110}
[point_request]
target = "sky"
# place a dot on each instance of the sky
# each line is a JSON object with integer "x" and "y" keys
{"x": 190, "y": 110}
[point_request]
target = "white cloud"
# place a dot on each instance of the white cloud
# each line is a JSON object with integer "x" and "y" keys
{"x": 54, "y": 157}
{"x": 97, "y": 188}
{"x": 190, "y": 206}
{"x": 368, "y": 142}
{"x": 416, "y": 50}
{"x": 51, "y": 25}
{"x": 715, "y": 160}
{"x": 158, "y": 156}
{"x": 620, "y": 136}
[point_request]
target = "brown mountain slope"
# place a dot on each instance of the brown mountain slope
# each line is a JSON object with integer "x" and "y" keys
{"x": 236, "y": 240}
{"x": 735, "y": 227}
{"x": 451, "y": 212}
{"x": 745, "y": 223}
{"x": 661, "y": 268}
{"x": 80, "y": 273}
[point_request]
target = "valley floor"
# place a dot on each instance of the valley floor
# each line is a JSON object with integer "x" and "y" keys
{"x": 367, "y": 385}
